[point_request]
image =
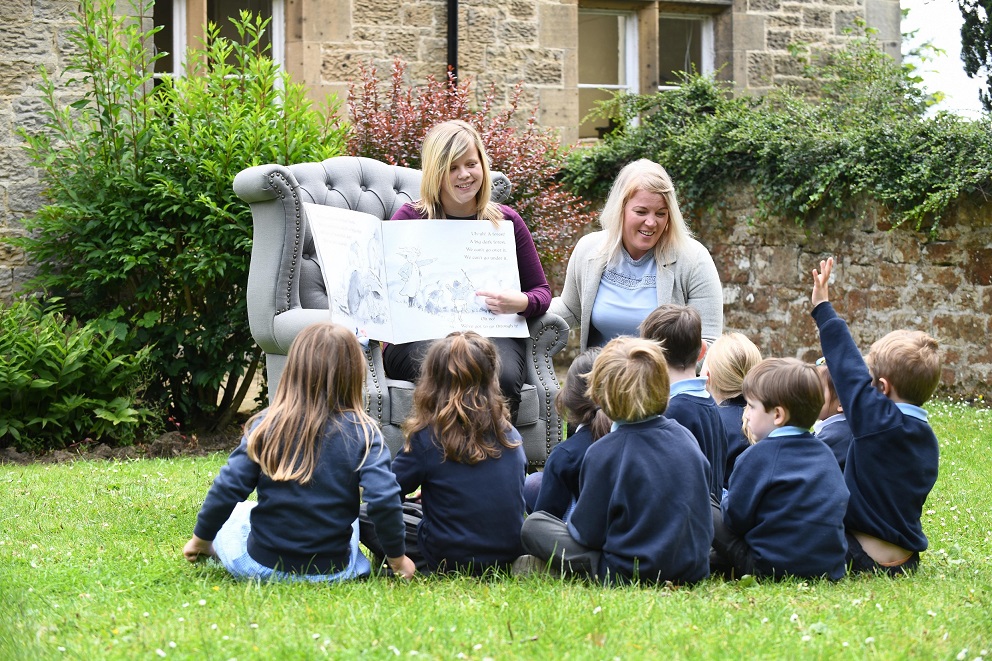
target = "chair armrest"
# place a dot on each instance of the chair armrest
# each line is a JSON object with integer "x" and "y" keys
{"x": 548, "y": 336}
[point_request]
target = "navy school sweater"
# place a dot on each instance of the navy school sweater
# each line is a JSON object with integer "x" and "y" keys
{"x": 892, "y": 462}
{"x": 701, "y": 416}
{"x": 732, "y": 414}
{"x": 306, "y": 528}
{"x": 472, "y": 513}
{"x": 644, "y": 503}
{"x": 836, "y": 433}
{"x": 787, "y": 499}
{"x": 560, "y": 482}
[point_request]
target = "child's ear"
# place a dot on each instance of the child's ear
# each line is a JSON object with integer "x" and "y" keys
{"x": 781, "y": 416}
{"x": 884, "y": 386}
{"x": 702, "y": 350}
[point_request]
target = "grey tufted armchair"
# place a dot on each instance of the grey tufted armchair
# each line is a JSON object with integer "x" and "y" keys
{"x": 286, "y": 289}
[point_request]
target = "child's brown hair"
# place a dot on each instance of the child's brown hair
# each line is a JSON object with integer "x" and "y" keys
{"x": 629, "y": 379}
{"x": 679, "y": 329}
{"x": 789, "y": 383}
{"x": 910, "y": 361}
{"x": 573, "y": 400}
{"x": 459, "y": 399}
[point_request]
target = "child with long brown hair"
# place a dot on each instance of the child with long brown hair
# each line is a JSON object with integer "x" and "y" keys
{"x": 466, "y": 457}
{"x": 306, "y": 455}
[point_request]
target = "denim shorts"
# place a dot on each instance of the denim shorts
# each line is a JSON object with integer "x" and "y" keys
{"x": 231, "y": 546}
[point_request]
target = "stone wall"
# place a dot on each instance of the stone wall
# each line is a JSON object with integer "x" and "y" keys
{"x": 884, "y": 279}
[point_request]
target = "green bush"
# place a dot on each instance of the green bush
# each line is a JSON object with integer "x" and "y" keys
{"x": 61, "y": 382}
{"x": 859, "y": 128}
{"x": 143, "y": 225}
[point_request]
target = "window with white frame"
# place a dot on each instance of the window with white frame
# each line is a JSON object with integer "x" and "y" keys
{"x": 607, "y": 62}
{"x": 173, "y": 37}
{"x": 685, "y": 43}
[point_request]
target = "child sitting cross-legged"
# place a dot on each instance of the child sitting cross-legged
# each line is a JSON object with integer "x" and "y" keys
{"x": 643, "y": 510}
{"x": 783, "y": 513}
{"x": 892, "y": 462}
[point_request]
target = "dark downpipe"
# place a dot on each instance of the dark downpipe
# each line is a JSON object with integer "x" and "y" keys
{"x": 453, "y": 39}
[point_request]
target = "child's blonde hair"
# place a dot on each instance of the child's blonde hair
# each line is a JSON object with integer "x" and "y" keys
{"x": 789, "y": 383}
{"x": 910, "y": 361}
{"x": 323, "y": 378}
{"x": 829, "y": 390}
{"x": 573, "y": 401}
{"x": 728, "y": 361}
{"x": 629, "y": 379}
{"x": 443, "y": 144}
{"x": 643, "y": 175}
{"x": 459, "y": 399}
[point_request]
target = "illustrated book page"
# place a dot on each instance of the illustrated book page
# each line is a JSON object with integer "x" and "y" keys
{"x": 406, "y": 280}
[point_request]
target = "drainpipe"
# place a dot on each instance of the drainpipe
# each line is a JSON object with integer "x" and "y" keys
{"x": 453, "y": 38}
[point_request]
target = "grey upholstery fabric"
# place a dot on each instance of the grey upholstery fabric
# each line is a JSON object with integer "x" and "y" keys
{"x": 286, "y": 289}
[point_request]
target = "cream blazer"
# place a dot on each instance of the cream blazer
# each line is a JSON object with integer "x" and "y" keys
{"x": 691, "y": 278}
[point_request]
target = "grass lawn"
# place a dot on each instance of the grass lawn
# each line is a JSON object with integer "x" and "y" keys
{"x": 91, "y": 567}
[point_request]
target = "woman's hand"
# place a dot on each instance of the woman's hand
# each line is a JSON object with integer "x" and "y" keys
{"x": 196, "y": 547}
{"x": 504, "y": 302}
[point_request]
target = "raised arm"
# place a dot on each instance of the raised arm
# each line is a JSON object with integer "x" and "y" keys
{"x": 821, "y": 281}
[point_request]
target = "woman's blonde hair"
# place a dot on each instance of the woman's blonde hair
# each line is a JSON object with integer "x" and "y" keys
{"x": 573, "y": 402}
{"x": 728, "y": 361}
{"x": 323, "y": 379}
{"x": 443, "y": 144}
{"x": 629, "y": 379}
{"x": 458, "y": 398}
{"x": 643, "y": 175}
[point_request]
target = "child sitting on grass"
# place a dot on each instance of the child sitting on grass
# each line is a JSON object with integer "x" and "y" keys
{"x": 727, "y": 362}
{"x": 558, "y": 484}
{"x": 831, "y": 425}
{"x": 643, "y": 508}
{"x": 466, "y": 458}
{"x": 679, "y": 330}
{"x": 892, "y": 462}
{"x": 783, "y": 514}
{"x": 307, "y": 455}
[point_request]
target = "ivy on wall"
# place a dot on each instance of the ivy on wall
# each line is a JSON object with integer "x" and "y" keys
{"x": 857, "y": 127}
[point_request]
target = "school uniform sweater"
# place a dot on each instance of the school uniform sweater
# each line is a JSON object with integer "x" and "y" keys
{"x": 892, "y": 462}
{"x": 732, "y": 415}
{"x": 787, "y": 499}
{"x": 644, "y": 503}
{"x": 836, "y": 433}
{"x": 560, "y": 481}
{"x": 472, "y": 512}
{"x": 306, "y": 528}
{"x": 693, "y": 407}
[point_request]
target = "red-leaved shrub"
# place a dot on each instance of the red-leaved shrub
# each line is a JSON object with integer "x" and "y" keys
{"x": 392, "y": 129}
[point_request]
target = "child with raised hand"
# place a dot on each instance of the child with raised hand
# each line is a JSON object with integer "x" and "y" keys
{"x": 892, "y": 462}
{"x": 783, "y": 514}
{"x": 727, "y": 362}
{"x": 678, "y": 328}
{"x": 831, "y": 425}
{"x": 466, "y": 458}
{"x": 558, "y": 484}
{"x": 307, "y": 455}
{"x": 643, "y": 511}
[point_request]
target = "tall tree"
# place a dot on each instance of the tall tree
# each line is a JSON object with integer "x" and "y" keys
{"x": 976, "y": 44}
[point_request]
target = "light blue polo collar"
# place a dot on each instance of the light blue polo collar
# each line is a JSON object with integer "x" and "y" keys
{"x": 695, "y": 387}
{"x": 787, "y": 430}
{"x": 912, "y": 411}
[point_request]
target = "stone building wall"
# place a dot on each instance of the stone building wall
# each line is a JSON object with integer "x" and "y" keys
{"x": 884, "y": 280}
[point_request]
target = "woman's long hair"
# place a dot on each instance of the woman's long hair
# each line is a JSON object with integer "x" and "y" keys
{"x": 324, "y": 374}
{"x": 643, "y": 175}
{"x": 573, "y": 402}
{"x": 458, "y": 398}
{"x": 443, "y": 144}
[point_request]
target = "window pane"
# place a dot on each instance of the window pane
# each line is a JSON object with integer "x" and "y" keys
{"x": 221, "y": 11}
{"x": 162, "y": 15}
{"x": 680, "y": 42}
{"x": 602, "y": 62}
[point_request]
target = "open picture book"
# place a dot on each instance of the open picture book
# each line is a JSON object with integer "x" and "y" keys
{"x": 406, "y": 280}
